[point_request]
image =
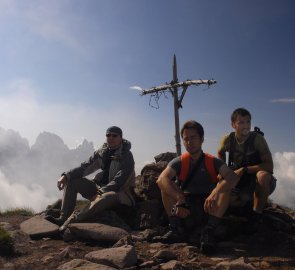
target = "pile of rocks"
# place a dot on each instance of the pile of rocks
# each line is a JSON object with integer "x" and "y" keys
{"x": 123, "y": 236}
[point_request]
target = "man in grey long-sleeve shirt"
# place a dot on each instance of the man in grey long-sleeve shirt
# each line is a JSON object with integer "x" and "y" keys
{"x": 110, "y": 187}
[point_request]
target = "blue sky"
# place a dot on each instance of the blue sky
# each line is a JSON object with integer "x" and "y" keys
{"x": 68, "y": 66}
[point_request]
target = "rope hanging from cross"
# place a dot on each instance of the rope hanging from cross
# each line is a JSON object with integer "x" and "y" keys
{"x": 173, "y": 88}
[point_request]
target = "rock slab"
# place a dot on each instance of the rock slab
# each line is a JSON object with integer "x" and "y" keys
{"x": 97, "y": 231}
{"x": 38, "y": 227}
{"x": 120, "y": 257}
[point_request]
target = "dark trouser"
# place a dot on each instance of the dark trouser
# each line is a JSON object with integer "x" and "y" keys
{"x": 102, "y": 202}
{"x": 87, "y": 188}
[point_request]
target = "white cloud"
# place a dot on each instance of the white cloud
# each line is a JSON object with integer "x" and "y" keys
{"x": 135, "y": 87}
{"x": 284, "y": 170}
{"x": 50, "y": 24}
{"x": 283, "y": 100}
{"x": 46, "y": 19}
{"x": 18, "y": 195}
{"x": 21, "y": 111}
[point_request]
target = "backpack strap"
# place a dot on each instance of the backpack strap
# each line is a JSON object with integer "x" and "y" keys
{"x": 231, "y": 149}
{"x": 188, "y": 176}
{"x": 249, "y": 144}
{"x": 184, "y": 178}
{"x": 185, "y": 160}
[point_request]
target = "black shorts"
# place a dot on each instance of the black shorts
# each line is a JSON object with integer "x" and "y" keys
{"x": 197, "y": 216}
{"x": 244, "y": 190}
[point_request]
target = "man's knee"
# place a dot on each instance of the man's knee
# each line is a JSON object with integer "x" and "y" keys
{"x": 264, "y": 179}
{"x": 221, "y": 204}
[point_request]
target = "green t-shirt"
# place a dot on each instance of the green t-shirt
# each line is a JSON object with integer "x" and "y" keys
{"x": 259, "y": 148}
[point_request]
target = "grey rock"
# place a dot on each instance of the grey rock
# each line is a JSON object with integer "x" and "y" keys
{"x": 149, "y": 214}
{"x": 148, "y": 264}
{"x": 168, "y": 156}
{"x": 238, "y": 264}
{"x": 172, "y": 265}
{"x": 38, "y": 227}
{"x": 165, "y": 255}
{"x": 83, "y": 265}
{"x": 120, "y": 257}
{"x": 97, "y": 232}
{"x": 126, "y": 240}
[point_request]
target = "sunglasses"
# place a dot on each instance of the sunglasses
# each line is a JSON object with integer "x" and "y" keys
{"x": 112, "y": 135}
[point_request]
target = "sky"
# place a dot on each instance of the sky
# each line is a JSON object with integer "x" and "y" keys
{"x": 71, "y": 67}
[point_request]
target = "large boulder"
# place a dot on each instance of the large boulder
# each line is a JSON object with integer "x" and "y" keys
{"x": 38, "y": 227}
{"x": 146, "y": 186}
{"x": 98, "y": 232}
{"x": 120, "y": 257}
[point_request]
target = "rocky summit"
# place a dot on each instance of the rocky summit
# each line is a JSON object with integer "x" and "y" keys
{"x": 125, "y": 238}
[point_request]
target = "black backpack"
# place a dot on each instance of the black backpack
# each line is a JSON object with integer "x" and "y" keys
{"x": 248, "y": 146}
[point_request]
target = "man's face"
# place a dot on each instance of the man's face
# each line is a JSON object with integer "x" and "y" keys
{"x": 242, "y": 125}
{"x": 192, "y": 141}
{"x": 113, "y": 140}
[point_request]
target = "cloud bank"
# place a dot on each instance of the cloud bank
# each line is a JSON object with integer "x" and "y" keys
{"x": 284, "y": 170}
{"x": 28, "y": 175}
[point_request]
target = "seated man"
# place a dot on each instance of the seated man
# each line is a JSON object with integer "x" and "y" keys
{"x": 201, "y": 198}
{"x": 110, "y": 187}
{"x": 250, "y": 158}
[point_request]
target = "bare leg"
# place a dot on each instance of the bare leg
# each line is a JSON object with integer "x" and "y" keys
{"x": 262, "y": 190}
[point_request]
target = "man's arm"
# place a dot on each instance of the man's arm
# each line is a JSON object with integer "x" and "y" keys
{"x": 169, "y": 187}
{"x": 228, "y": 181}
{"x": 266, "y": 165}
{"x": 87, "y": 167}
{"x": 221, "y": 152}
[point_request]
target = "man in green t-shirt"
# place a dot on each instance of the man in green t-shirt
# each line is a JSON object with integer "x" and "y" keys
{"x": 249, "y": 156}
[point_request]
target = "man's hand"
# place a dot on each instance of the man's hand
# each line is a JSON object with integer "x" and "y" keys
{"x": 210, "y": 202}
{"x": 181, "y": 212}
{"x": 61, "y": 183}
{"x": 240, "y": 172}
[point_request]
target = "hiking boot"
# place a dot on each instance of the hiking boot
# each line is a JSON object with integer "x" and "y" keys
{"x": 207, "y": 241}
{"x": 58, "y": 221}
{"x": 172, "y": 236}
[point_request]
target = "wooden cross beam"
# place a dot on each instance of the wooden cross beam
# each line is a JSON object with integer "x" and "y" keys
{"x": 173, "y": 88}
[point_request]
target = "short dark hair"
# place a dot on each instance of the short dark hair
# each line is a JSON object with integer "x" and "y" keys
{"x": 240, "y": 111}
{"x": 191, "y": 124}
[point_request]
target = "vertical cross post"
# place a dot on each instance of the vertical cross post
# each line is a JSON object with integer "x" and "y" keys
{"x": 176, "y": 108}
{"x": 173, "y": 88}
